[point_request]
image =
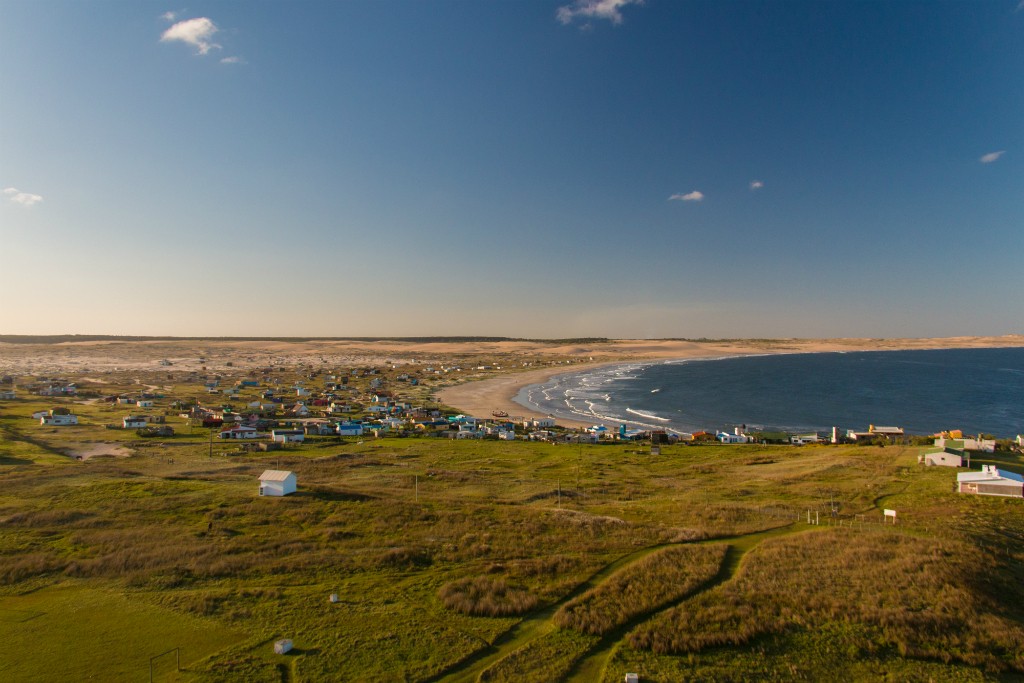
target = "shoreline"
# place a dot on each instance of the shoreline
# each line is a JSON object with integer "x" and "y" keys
{"x": 474, "y": 397}
{"x": 479, "y": 398}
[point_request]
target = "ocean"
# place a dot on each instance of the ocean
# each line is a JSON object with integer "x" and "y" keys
{"x": 976, "y": 390}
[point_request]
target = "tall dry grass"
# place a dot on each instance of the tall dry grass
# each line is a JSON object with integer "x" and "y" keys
{"x": 926, "y": 598}
{"x": 485, "y": 596}
{"x": 641, "y": 587}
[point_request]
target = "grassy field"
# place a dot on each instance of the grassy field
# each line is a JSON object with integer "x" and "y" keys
{"x": 488, "y": 560}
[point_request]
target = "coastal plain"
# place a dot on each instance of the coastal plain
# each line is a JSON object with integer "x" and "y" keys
{"x": 123, "y": 555}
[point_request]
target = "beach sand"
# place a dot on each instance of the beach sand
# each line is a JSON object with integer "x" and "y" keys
{"x": 534, "y": 361}
{"x": 481, "y": 398}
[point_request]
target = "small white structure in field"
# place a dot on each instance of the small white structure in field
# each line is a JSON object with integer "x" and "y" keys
{"x": 144, "y": 403}
{"x": 632, "y": 678}
{"x": 334, "y": 597}
{"x": 282, "y": 646}
{"x": 277, "y": 483}
{"x": 947, "y": 457}
{"x": 58, "y": 420}
{"x": 288, "y": 435}
{"x": 991, "y": 481}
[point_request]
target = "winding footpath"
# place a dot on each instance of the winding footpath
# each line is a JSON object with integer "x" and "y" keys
{"x": 592, "y": 666}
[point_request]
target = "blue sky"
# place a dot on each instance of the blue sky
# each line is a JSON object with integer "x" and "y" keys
{"x": 528, "y": 168}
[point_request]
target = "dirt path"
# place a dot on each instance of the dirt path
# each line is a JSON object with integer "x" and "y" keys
{"x": 592, "y": 666}
{"x": 531, "y": 627}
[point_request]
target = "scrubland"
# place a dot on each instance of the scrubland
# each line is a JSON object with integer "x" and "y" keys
{"x": 497, "y": 561}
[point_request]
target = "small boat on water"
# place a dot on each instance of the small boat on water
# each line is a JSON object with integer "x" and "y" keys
{"x": 499, "y": 413}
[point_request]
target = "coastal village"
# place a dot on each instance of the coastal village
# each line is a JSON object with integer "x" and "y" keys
{"x": 267, "y": 408}
{"x": 264, "y": 515}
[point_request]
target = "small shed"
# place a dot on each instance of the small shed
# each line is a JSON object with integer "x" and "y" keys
{"x": 288, "y": 435}
{"x": 277, "y": 483}
{"x": 947, "y": 457}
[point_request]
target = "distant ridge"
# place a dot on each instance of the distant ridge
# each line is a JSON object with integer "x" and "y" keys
{"x": 61, "y": 338}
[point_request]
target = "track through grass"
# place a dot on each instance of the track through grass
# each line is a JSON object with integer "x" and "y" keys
{"x": 592, "y": 665}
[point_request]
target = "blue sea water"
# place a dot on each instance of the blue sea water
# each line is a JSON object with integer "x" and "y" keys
{"x": 976, "y": 390}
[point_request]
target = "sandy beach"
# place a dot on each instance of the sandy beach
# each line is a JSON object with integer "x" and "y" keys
{"x": 533, "y": 361}
{"x": 481, "y": 398}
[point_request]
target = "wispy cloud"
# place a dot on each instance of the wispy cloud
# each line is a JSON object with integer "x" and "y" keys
{"x": 594, "y": 9}
{"x": 23, "y": 198}
{"x": 233, "y": 60}
{"x": 694, "y": 196}
{"x": 991, "y": 156}
{"x": 197, "y": 32}
{"x": 756, "y": 184}
{"x": 169, "y": 16}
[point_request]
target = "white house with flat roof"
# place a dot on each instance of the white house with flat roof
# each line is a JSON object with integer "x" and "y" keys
{"x": 991, "y": 481}
{"x": 288, "y": 435}
{"x": 58, "y": 420}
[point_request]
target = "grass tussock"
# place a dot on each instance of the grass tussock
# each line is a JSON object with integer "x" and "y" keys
{"x": 486, "y": 596}
{"x": 657, "y": 580}
{"x": 924, "y": 598}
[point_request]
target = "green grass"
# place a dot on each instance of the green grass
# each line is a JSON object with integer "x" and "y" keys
{"x": 656, "y": 580}
{"x": 182, "y": 538}
{"x": 74, "y": 632}
{"x": 927, "y": 599}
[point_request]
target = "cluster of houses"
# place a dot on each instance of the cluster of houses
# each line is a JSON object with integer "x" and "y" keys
{"x": 953, "y": 449}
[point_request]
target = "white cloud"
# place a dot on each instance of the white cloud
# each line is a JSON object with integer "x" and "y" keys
{"x": 233, "y": 60}
{"x": 991, "y": 156}
{"x": 595, "y": 9}
{"x": 23, "y": 198}
{"x": 756, "y": 185}
{"x": 196, "y": 32}
{"x": 694, "y": 196}
{"x": 169, "y": 16}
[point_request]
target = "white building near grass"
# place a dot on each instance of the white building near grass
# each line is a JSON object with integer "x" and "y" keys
{"x": 947, "y": 457}
{"x": 991, "y": 481}
{"x": 58, "y": 420}
{"x": 288, "y": 435}
{"x": 277, "y": 483}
